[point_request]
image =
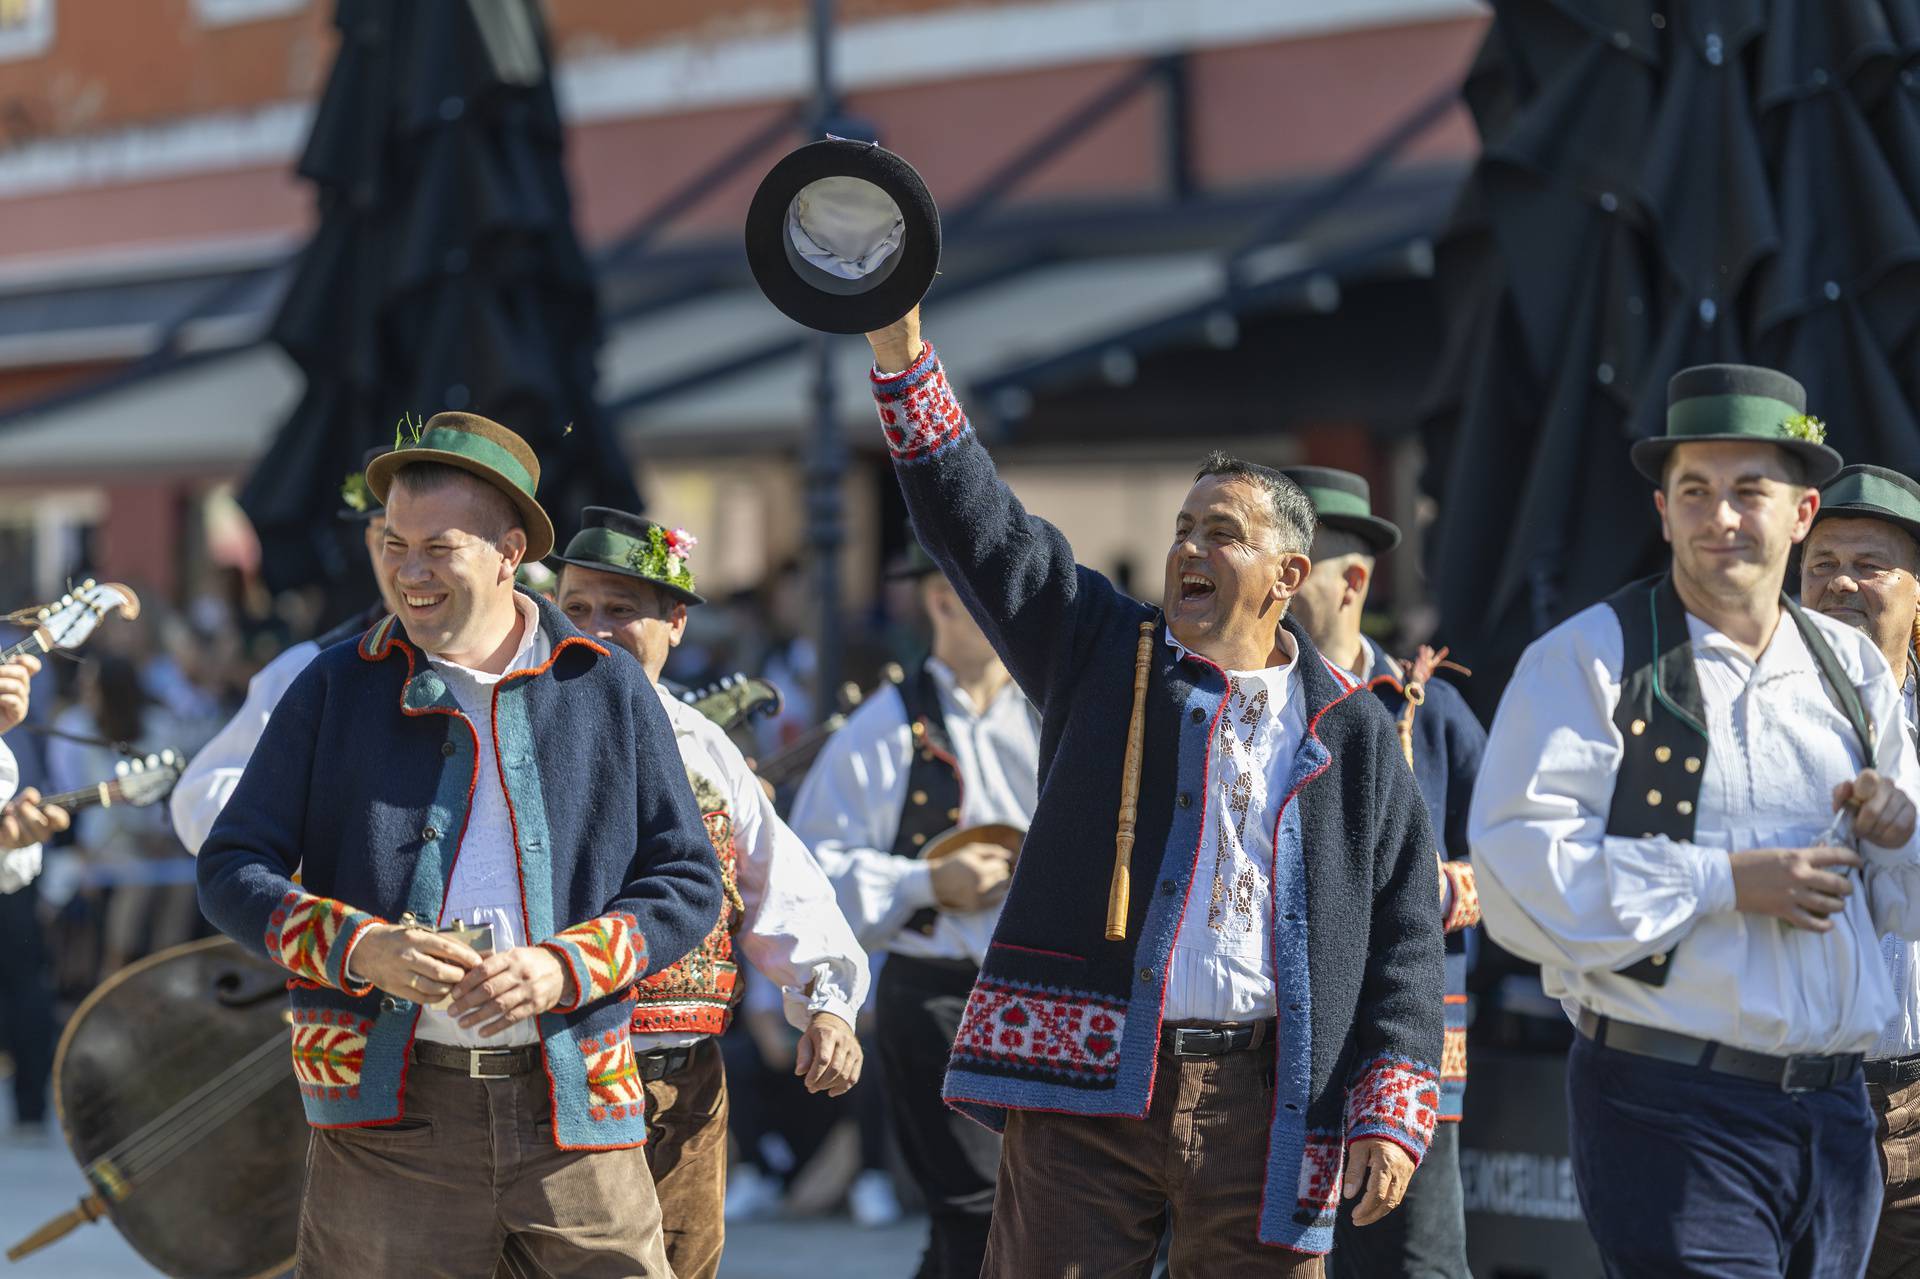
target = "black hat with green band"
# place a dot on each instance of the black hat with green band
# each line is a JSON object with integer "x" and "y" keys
{"x": 357, "y": 502}
{"x": 1344, "y": 502}
{"x": 914, "y": 566}
{"x": 1738, "y": 402}
{"x": 480, "y": 447}
{"x": 611, "y": 541}
{"x": 1872, "y": 493}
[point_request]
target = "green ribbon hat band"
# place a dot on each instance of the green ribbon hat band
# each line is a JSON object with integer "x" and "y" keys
{"x": 481, "y": 450}
{"x": 1760, "y": 416}
{"x": 648, "y": 557}
{"x": 1336, "y": 502}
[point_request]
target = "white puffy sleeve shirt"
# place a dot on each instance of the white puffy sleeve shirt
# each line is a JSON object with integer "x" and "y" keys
{"x": 793, "y": 932}
{"x": 204, "y": 789}
{"x": 848, "y": 810}
{"x": 18, "y": 866}
{"x": 1555, "y": 888}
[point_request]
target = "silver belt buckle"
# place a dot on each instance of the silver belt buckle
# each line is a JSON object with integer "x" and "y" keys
{"x": 473, "y": 1062}
{"x": 1806, "y": 1072}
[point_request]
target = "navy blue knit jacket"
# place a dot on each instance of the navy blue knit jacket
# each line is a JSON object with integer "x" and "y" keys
{"x": 1063, "y": 1020}
{"x": 362, "y": 782}
{"x": 1447, "y": 745}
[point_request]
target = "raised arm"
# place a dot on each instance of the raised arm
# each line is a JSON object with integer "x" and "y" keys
{"x": 1015, "y": 571}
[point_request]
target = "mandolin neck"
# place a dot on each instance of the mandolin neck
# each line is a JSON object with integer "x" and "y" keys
{"x": 35, "y": 643}
{"x": 105, "y": 795}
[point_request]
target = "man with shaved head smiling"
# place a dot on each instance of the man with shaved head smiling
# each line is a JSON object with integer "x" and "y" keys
{"x": 1655, "y": 826}
{"x": 1253, "y": 1031}
{"x": 1858, "y": 567}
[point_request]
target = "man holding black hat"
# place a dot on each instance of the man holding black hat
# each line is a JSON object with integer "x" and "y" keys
{"x": 953, "y": 746}
{"x": 474, "y": 759}
{"x": 629, "y": 581}
{"x": 203, "y": 790}
{"x": 1655, "y": 826}
{"x": 1858, "y": 567}
{"x": 1426, "y": 1237}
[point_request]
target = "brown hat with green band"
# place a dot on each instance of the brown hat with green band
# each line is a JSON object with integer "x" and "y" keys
{"x": 1742, "y": 403}
{"x": 481, "y": 447}
{"x": 1344, "y": 502}
{"x": 1864, "y": 492}
{"x": 611, "y": 541}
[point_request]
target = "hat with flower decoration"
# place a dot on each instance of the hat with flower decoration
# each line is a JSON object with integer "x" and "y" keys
{"x": 478, "y": 446}
{"x": 611, "y": 541}
{"x": 357, "y": 502}
{"x": 1743, "y": 403}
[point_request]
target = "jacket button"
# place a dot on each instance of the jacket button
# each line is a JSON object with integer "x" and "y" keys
{"x": 1292, "y": 917}
{"x": 1186, "y": 799}
{"x": 1146, "y": 974}
{"x": 1196, "y": 715}
{"x": 447, "y": 749}
{"x": 430, "y": 834}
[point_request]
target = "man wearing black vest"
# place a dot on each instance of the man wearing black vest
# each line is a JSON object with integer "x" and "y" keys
{"x": 954, "y": 745}
{"x": 1655, "y": 826}
{"x": 1858, "y": 567}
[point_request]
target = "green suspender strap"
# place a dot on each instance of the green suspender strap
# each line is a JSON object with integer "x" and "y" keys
{"x": 1663, "y": 723}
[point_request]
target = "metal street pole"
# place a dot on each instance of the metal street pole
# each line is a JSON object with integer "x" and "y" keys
{"x": 827, "y": 455}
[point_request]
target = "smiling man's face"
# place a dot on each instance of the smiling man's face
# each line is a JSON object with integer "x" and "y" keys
{"x": 1732, "y": 512}
{"x": 1861, "y": 572}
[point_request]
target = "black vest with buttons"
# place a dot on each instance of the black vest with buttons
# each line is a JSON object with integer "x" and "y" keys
{"x": 1663, "y": 722}
{"x": 932, "y": 807}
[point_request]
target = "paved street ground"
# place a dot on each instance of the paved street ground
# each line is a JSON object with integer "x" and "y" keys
{"x": 39, "y": 1182}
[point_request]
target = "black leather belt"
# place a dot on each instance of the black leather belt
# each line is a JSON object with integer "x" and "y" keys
{"x": 661, "y": 1062}
{"x": 1894, "y": 1072}
{"x": 1802, "y": 1072}
{"x": 479, "y": 1063}
{"x": 1214, "y": 1040}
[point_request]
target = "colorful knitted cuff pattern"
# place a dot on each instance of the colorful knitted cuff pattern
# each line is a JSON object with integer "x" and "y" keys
{"x": 603, "y": 957}
{"x": 1465, "y": 911}
{"x": 918, "y": 412}
{"x": 310, "y": 936}
{"x": 1394, "y": 1099}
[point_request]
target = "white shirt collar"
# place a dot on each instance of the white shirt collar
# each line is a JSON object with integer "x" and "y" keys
{"x": 1786, "y": 652}
{"x": 950, "y": 685}
{"x": 1287, "y": 645}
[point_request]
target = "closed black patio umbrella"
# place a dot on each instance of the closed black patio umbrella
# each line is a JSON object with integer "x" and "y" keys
{"x": 444, "y": 272}
{"x": 1660, "y": 185}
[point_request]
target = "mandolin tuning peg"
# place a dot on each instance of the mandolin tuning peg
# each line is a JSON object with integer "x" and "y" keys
{"x": 138, "y": 766}
{"x": 87, "y": 585}
{"x": 120, "y": 769}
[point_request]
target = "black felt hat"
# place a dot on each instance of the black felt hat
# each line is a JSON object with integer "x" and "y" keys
{"x": 843, "y": 236}
{"x": 1344, "y": 501}
{"x": 1872, "y": 493}
{"x": 1738, "y": 402}
{"x": 611, "y": 541}
{"x": 357, "y": 502}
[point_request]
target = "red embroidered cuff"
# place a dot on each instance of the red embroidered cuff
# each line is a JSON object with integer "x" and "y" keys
{"x": 602, "y": 957}
{"x": 1464, "y": 911}
{"x": 1395, "y": 1100}
{"x": 918, "y": 412}
{"x": 310, "y": 937}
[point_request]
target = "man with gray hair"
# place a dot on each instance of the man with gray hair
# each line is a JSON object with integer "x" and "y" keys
{"x": 1225, "y": 904}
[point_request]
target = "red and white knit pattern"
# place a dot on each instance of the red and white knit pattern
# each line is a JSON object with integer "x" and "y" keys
{"x": 1053, "y": 1030}
{"x": 613, "y": 1078}
{"x": 918, "y": 412}
{"x": 1465, "y": 912}
{"x": 1395, "y": 1099}
{"x": 328, "y": 1051}
{"x": 303, "y": 931}
{"x": 604, "y": 955}
{"x": 1321, "y": 1162}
